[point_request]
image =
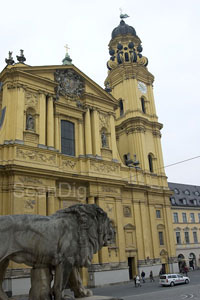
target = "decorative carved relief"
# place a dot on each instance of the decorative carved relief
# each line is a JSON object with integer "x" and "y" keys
{"x": 103, "y": 167}
{"x": 108, "y": 189}
{"x": 104, "y": 121}
{"x": 31, "y": 99}
{"x": 127, "y": 211}
{"x": 28, "y": 179}
{"x": 68, "y": 164}
{"x": 70, "y": 84}
{"x": 32, "y": 155}
{"x": 29, "y": 205}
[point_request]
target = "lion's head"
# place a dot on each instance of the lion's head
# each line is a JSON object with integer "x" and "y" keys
{"x": 95, "y": 229}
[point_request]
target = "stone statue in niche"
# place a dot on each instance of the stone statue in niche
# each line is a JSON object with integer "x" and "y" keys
{"x": 58, "y": 244}
{"x": 30, "y": 122}
{"x": 104, "y": 140}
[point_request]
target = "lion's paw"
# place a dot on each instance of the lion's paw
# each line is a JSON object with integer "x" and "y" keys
{"x": 83, "y": 293}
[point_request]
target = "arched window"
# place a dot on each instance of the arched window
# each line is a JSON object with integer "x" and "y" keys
{"x": 67, "y": 138}
{"x": 150, "y": 159}
{"x": 121, "y": 107}
{"x": 143, "y": 105}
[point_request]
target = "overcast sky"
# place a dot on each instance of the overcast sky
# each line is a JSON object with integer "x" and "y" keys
{"x": 169, "y": 31}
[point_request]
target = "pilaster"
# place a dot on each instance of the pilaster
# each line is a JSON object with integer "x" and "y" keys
{"x": 57, "y": 132}
{"x": 95, "y": 133}
{"x": 42, "y": 120}
{"x": 115, "y": 154}
{"x": 81, "y": 139}
{"x": 88, "y": 135}
{"x": 19, "y": 112}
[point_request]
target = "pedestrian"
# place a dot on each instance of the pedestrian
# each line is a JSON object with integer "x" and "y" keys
{"x": 134, "y": 280}
{"x": 143, "y": 276}
{"x": 186, "y": 270}
{"x": 138, "y": 281}
{"x": 151, "y": 276}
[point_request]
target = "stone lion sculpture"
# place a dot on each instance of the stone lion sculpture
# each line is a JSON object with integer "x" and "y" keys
{"x": 55, "y": 247}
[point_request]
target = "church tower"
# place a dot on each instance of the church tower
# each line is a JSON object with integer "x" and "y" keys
{"x": 137, "y": 126}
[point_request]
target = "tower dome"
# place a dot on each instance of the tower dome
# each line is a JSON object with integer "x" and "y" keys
{"x": 125, "y": 47}
{"x": 123, "y": 29}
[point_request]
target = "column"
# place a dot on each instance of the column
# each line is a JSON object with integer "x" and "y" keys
{"x": 50, "y": 123}
{"x": 80, "y": 140}
{"x": 88, "y": 136}
{"x": 57, "y": 132}
{"x": 95, "y": 133}
{"x": 42, "y": 121}
{"x": 115, "y": 153}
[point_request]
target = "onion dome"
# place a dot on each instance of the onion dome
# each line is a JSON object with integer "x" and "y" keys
{"x": 123, "y": 29}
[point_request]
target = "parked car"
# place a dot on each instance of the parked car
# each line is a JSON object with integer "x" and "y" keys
{"x": 172, "y": 279}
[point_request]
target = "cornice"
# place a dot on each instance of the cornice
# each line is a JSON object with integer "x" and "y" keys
{"x": 129, "y": 71}
{"x": 138, "y": 124}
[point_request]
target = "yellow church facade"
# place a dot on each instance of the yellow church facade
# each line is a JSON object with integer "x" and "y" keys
{"x": 66, "y": 140}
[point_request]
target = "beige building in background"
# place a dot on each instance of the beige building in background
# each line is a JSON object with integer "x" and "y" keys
{"x": 65, "y": 140}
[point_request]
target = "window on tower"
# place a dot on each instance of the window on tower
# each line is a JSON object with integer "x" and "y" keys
{"x": 143, "y": 105}
{"x": 121, "y": 107}
{"x": 67, "y": 138}
{"x": 150, "y": 159}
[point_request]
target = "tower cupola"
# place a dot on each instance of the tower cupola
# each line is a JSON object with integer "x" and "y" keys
{"x": 125, "y": 47}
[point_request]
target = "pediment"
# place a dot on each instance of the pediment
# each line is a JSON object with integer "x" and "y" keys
{"x": 129, "y": 227}
{"x": 160, "y": 226}
{"x": 69, "y": 80}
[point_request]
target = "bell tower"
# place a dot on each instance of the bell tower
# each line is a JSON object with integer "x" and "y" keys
{"x": 137, "y": 127}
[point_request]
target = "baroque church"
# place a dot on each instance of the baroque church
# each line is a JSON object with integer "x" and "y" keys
{"x": 66, "y": 140}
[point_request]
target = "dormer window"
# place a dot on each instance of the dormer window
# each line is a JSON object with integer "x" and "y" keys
{"x": 173, "y": 201}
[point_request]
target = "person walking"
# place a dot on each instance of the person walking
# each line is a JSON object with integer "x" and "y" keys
{"x": 134, "y": 280}
{"x": 138, "y": 281}
{"x": 143, "y": 276}
{"x": 151, "y": 276}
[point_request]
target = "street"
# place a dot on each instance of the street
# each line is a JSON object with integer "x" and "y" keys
{"x": 152, "y": 291}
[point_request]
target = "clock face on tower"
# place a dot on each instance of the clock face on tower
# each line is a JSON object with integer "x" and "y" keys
{"x": 142, "y": 87}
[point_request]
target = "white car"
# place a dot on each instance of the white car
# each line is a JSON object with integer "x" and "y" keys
{"x": 172, "y": 279}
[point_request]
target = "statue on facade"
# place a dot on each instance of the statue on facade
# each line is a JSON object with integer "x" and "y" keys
{"x": 30, "y": 122}
{"x": 104, "y": 140}
{"x": 58, "y": 244}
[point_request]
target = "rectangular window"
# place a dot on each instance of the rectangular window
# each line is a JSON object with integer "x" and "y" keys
{"x": 161, "y": 240}
{"x": 195, "y": 237}
{"x": 184, "y": 217}
{"x": 199, "y": 217}
{"x": 158, "y": 214}
{"x": 187, "y": 240}
{"x": 178, "y": 238}
{"x": 192, "y": 219}
{"x": 67, "y": 138}
{"x": 175, "y": 217}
